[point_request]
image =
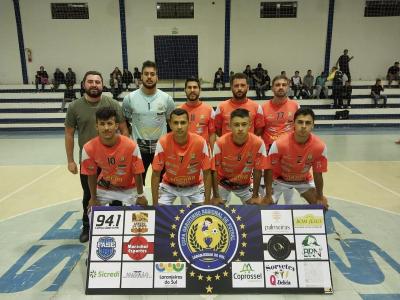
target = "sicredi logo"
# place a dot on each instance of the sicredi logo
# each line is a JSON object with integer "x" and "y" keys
{"x": 247, "y": 274}
{"x": 104, "y": 275}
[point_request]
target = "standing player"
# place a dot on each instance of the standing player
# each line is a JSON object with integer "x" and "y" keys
{"x": 148, "y": 109}
{"x": 278, "y": 118}
{"x": 291, "y": 158}
{"x": 239, "y": 87}
{"x": 81, "y": 116}
{"x": 238, "y": 155}
{"x": 201, "y": 115}
{"x": 119, "y": 159}
{"x": 185, "y": 157}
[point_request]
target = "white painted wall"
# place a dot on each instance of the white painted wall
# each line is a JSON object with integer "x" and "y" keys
{"x": 374, "y": 42}
{"x": 10, "y": 63}
{"x": 280, "y": 44}
{"x": 80, "y": 44}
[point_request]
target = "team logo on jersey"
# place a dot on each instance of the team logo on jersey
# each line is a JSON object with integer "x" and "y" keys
{"x": 309, "y": 157}
{"x": 106, "y": 247}
{"x": 208, "y": 238}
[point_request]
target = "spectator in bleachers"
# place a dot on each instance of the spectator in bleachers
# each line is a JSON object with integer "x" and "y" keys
{"x": 249, "y": 73}
{"x": 70, "y": 78}
{"x": 82, "y": 89}
{"x": 347, "y": 91}
{"x": 41, "y": 78}
{"x": 376, "y": 94}
{"x": 343, "y": 63}
{"x": 127, "y": 78}
{"x": 296, "y": 84}
{"x": 257, "y": 75}
{"x": 58, "y": 78}
{"x": 263, "y": 86}
{"x": 338, "y": 82}
{"x": 320, "y": 86}
{"x": 308, "y": 84}
{"x": 116, "y": 71}
{"x": 69, "y": 95}
{"x": 393, "y": 73}
{"x": 219, "y": 79}
{"x": 231, "y": 73}
{"x": 283, "y": 73}
{"x": 137, "y": 77}
{"x": 114, "y": 85}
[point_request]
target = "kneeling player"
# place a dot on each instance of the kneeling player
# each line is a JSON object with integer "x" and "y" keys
{"x": 120, "y": 162}
{"x": 237, "y": 156}
{"x": 291, "y": 158}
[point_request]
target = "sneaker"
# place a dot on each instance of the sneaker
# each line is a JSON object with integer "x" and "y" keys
{"x": 84, "y": 237}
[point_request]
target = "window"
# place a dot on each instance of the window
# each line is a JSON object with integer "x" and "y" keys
{"x": 382, "y": 8}
{"x": 69, "y": 11}
{"x": 278, "y": 9}
{"x": 175, "y": 10}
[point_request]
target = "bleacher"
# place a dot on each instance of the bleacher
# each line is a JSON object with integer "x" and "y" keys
{"x": 23, "y": 109}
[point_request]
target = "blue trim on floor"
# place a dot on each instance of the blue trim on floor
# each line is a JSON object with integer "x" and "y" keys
{"x": 20, "y": 42}
{"x": 380, "y": 296}
{"x": 227, "y": 51}
{"x": 329, "y": 35}
{"x": 124, "y": 46}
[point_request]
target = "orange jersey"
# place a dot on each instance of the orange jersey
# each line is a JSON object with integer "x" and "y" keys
{"x": 234, "y": 164}
{"x": 119, "y": 164}
{"x": 292, "y": 161}
{"x": 278, "y": 119}
{"x": 183, "y": 163}
{"x": 224, "y": 109}
{"x": 201, "y": 119}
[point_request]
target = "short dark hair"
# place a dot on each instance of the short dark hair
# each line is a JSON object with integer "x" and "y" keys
{"x": 105, "y": 113}
{"x": 241, "y": 113}
{"x": 149, "y": 64}
{"x": 304, "y": 111}
{"x": 238, "y": 76}
{"x": 396, "y": 62}
{"x": 280, "y": 77}
{"x": 179, "y": 112}
{"x": 92, "y": 73}
{"x": 192, "y": 79}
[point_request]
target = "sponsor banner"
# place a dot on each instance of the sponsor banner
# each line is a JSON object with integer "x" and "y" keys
{"x": 104, "y": 275}
{"x": 139, "y": 222}
{"x": 279, "y": 247}
{"x": 137, "y": 275}
{"x": 280, "y": 275}
{"x": 311, "y": 247}
{"x": 308, "y": 221}
{"x": 247, "y": 275}
{"x": 107, "y": 222}
{"x": 314, "y": 274}
{"x": 170, "y": 275}
{"x": 276, "y": 222}
{"x": 138, "y": 248}
{"x": 106, "y": 248}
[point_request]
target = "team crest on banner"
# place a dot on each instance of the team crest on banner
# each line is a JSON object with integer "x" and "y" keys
{"x": 208, "y": 238}
{"x": 106, "y": 247}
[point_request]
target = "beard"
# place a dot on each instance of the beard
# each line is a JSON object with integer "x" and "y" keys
{"x": 93, "y": 92}
{"x": 149, "y": 86}
{"x": 240, "y": 95}
{"x": 192, "y": 97}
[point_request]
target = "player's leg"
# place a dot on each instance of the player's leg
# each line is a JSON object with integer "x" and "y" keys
{"x": 194, "y": 195}
{"x": 167, "y": 194}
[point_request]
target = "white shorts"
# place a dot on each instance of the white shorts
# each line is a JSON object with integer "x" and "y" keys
{"x": 188, "y": 195}
{"x": 288, "y": 194}
{"x": 127, "y": 196}
{"x": 243, "y": 194}
{"x": 281, "y": 187}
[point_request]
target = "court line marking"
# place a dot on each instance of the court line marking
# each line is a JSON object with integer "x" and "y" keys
{"x": 29, "y": 184}
{"x": 363, "y": 204}
{"x": 368, "y": 179}
{"x": 39, "y": 208}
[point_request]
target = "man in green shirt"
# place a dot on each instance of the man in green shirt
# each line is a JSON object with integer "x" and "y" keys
{"x": 81, "y": 116}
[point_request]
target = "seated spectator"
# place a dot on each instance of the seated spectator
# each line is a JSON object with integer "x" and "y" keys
{"x": 308, "y": 84}
{"x": 69, "y": 95}
{"x": 219, "y": 79}
{"x": 42, "y": 78}
{"x": 127, "y": 78}
{"x": 116, "y": 71}
{"x": 347, "y": 91}
{"x": 231, "y": 73}
{"x": 263, "y": 86}
{"x": 70, "y": 78}
{"x": 296, "y": 84}
{"x": 249, "y": 74}
{"x": 114, "y": 85}
{"x": 137, "y": 77}
{"x": 59, "y": 78}
{"x": 283, "y": 73}
{"x": 393, "y": 73}
{"x": 376, "y": 90}
{"x": 320, "y": 86}
{"x": 258, "y": 74}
